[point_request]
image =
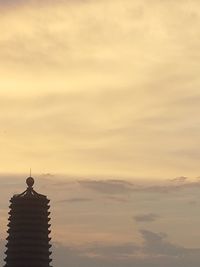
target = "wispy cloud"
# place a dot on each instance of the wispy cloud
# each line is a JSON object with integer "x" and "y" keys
{"x": 108, "y": 186}
{"x": 126, "y": 187}
{"x": 149, "y": 217}
{"x": 76, "y": 200}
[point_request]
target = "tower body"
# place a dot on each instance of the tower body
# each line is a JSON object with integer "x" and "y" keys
{"x": 28, "y": 230}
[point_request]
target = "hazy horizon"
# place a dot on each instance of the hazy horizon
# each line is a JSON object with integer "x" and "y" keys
{"x": 113, "y": 222}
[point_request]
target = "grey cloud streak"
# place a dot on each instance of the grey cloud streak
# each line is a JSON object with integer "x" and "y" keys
{"x": 108, "y": 186}
{"x": 125, "y": 187}
{"x": 76, "y": 200}
{"x": 149, "y": 217}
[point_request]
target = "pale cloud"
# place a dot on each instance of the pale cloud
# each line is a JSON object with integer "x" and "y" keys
{"x": 180, "y": 179}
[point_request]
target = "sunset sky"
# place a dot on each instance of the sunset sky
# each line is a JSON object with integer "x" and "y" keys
{"x": 101, "y": 98}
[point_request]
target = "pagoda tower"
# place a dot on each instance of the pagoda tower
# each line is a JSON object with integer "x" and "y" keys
{"x": 28, "y": 241}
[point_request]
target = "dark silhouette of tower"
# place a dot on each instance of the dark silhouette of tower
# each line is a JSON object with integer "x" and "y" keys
{"x": 28, "y": 234}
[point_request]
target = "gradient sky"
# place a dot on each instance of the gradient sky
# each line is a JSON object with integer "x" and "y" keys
{"x": 106, "y": 87}
{"x": 101, "y": 98}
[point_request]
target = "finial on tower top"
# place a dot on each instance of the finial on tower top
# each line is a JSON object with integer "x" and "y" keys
{"x": 30, "y": 181}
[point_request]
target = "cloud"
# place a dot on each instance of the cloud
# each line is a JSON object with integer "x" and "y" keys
{"x": 117, "y": 199}
{"x": 108, "y": 186}
{"x": 47, "y": 176}
{"x": 156, "y": 250}
{"x": 89, "y": 241}
{"x": 193, "y": 202}
{"x": 180, "y": 179}
{"x": 149, "y": 217}
{"x": 76, "y": 200}
{"x": 157, "y": 244}
{"x": 111, "y": 186}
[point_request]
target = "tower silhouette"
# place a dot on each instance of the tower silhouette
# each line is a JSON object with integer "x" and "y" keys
{"x": 28, "y": 234}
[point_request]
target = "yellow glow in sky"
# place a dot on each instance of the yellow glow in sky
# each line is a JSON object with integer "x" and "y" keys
{"x": 100, "y": 88}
